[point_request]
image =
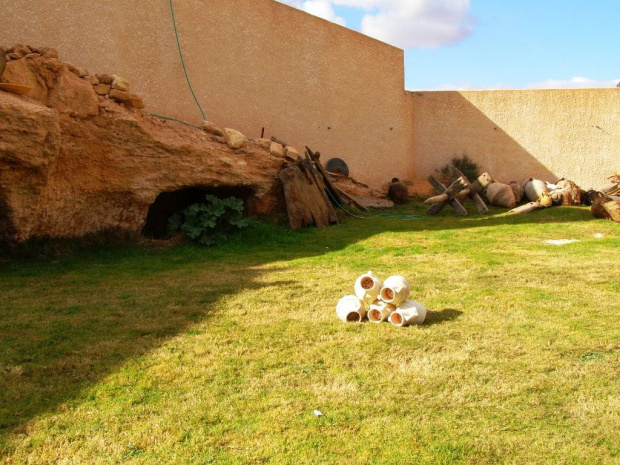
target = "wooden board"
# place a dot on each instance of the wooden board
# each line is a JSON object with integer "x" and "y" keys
{"x": 316, "y": 179}
{"x": 328, "y": 184}
{"x": 304, "y": 203}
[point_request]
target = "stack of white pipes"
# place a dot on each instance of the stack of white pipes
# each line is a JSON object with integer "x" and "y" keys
{"x": 380, "y": 301}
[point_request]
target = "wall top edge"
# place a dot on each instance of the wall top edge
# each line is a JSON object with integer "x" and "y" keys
{"x": 311, "y": 17}
{"x": 473, "y": 91}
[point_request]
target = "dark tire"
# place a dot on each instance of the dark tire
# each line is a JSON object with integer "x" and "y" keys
{"x": 337, "y": 165}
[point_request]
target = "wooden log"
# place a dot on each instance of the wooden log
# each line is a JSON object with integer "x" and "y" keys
{"x": 453, "y": 202}
{"x": 526, "y": 208}
{"x": 605, "y": 207}
{"x": 480, "y": 205}
{"x": 479, "y": 184}
{"x": 437, "y": 199}
{"x": 462, "y": 195}
{"x": 482, "y": 182}
{"x": 328, "y": 184}
{"x": 316, "y": 180}
{"x": 278, "y": 141}
{"x": 304, "y": 203}
{"x": 613, "y": 209}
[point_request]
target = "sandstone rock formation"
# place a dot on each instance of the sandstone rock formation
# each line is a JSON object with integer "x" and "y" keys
{"x": 74, "y": 161}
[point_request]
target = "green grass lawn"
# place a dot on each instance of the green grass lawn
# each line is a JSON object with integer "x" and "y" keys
{"x": 147, "y": 353}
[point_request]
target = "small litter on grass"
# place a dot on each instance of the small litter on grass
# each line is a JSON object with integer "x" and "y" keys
{"x": 599, "y": 235}
{"x": 560, "y": 241}
{"x": 317, "y": 413}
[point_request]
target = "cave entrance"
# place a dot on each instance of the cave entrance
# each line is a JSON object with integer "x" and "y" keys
{"x": 168, "y": 203}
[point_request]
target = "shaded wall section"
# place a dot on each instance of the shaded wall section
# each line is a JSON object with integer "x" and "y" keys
{"x": 548, "y": 134}
{"x": 253, "y": 64}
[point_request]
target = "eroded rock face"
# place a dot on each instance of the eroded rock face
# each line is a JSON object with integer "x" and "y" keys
{"x": 73, "y": 162}
{"x": 29, "y": 148}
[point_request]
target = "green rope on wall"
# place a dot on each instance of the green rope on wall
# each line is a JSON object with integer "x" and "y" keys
{"x": 176, "y": 33}
{"x": 168, "y": 118}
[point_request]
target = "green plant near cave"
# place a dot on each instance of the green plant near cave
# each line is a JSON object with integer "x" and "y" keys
{"x": 209, "y": 223}
{"x": 464, "y": 164}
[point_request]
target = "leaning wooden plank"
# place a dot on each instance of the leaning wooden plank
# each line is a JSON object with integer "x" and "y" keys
{"x": 351, "y": 200}
{"x": 326, "y": 207}
{"x": 306, "y": 169}
{"x": 299, "y": 214}
{"x": 457, "y": 206}
{"x": 303, "y": 201}
{"x": 328, "y": 184}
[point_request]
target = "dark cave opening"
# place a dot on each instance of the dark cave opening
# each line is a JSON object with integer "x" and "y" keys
{"x": 168, "y": 203}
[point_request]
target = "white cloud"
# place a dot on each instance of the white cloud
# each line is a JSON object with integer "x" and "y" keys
{"x": 420, "y": 23}
{"x": 469, "y": 86}
{"x": 321, "y": 8}
{"x": 404, "y": 23}
{"x": 574, "y": 83}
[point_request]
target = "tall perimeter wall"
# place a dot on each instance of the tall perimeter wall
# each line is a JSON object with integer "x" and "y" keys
{"x": 260, "y": 63}
{"x": 252, "y": 64}
{"x": 518, "y": 134}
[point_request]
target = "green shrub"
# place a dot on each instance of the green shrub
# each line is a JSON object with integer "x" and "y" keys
{"x": 211, "y": 222}
{"x": 464, "y": 164}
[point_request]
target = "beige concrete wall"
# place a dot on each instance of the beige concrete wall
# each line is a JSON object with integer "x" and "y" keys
{"x": 549, "y": 134}
{"x": 260, "y": 63}
{"x": 252, "y": 63}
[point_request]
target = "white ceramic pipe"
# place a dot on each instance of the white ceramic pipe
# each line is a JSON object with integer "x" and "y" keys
{"x": 367, "y": 287}
{"x": 395, "y": 290}
{"x": 409, "y": 313}
{"x": 350, "y": 309}
{"x": 380, "y": 311}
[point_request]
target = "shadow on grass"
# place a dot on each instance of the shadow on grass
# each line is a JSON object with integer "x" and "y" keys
{"x": 436, "y": 317}
{"x": 68, "y": 321}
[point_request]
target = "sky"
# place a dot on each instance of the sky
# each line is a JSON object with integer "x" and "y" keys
{"x": 490, "y": 44}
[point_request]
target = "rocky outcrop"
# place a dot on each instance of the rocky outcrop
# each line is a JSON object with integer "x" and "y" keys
{"x": 74, "y": 161}
{"x": 29, "y": 148}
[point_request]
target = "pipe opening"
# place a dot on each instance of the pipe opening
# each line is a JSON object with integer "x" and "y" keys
{"x": 396, "y": 319}
{"x": 354, "y": 317}
{"x": 374, "y": 315}
{"x": 367, "y": 283}
{"x": 387, "y": 294}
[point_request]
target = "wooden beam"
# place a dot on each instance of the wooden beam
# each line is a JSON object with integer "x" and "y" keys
{"x": 453, "y": 202}
{"x": 328, "y": 184}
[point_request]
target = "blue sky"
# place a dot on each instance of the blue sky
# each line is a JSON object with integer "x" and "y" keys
{"x": 490, "y": 44}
